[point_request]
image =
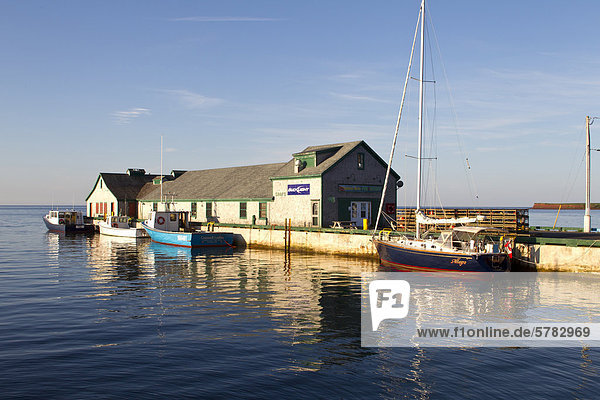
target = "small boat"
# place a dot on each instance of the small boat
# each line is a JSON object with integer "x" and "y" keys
{"x": 172, "y": 228}
{"x": 120, "y": 226}
{"x": 460, "y": 248}
{"x": 66, "y": 221}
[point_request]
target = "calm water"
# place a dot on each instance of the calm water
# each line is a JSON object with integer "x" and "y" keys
{"x": 566, "y": 218}
{"x": 92, "y": 317}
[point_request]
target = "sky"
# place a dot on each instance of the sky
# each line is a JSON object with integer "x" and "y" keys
{"x": 89, "y": 87}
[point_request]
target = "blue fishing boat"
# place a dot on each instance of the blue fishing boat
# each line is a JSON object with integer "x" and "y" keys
{"x": 172, "y": 228}
{"x": 459, "y": 248}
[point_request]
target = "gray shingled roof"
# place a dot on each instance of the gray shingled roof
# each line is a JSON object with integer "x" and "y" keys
{"x": 250, "y": 182}
{"x": 124, "y": 186}
{"x": 343, "y": 150}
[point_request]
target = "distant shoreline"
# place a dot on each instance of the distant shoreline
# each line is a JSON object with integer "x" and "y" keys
{"x": 564, "y": 206}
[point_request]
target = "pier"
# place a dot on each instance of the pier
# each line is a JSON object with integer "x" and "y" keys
{"x": 557, "y": 251}
{"x": 534, "y": 250}
{"x": 349, "y": 242}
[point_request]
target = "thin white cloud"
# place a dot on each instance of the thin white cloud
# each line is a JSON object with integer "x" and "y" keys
{"x": 193, "y": 100}
{"x": 224, "y": 19}
{"x": 355, "y": 97}
{"x": 125, "y": 117}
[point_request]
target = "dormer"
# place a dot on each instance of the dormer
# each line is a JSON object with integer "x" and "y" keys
{"x": 313, "y": 158}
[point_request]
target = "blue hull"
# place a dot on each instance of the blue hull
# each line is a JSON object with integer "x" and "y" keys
{"x": 397, "y": 256}
{"x": 190, "y": 239}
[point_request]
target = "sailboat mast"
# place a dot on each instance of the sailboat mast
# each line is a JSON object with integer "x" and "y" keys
{"x": 421, "y": 96}
{"x": 389, "y": 166}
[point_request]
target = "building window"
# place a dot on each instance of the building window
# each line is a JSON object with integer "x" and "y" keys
{"x": 360, "y": 161}
{"x": 262, "y": 210}
{"x": 194, "y": 210}
{"x": 154, "y": 206}
{"x": 315, "y": 213}
{"x": 209, "y": 211}
{"x": 243, "y": 210}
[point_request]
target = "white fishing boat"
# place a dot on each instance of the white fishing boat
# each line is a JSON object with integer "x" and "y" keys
{"x": 66, "y": 221}
{"x": 460, "y": 248}
{"x": 121, "y": 226}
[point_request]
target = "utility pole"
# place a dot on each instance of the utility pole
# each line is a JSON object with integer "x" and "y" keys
{"x": 587, "y": 218}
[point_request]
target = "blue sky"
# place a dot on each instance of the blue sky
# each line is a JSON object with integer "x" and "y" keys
{"x": 92, "y": 86}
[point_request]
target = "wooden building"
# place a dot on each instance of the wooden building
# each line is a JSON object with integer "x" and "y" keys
{"x": 116, "y": 193}
{"x": 320, "y": 185}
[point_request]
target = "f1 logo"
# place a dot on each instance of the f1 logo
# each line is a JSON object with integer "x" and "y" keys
{"x": 388, "y": 299}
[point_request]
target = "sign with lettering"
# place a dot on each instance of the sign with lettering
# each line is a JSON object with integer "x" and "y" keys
{"x": 360, "y": 188}
{"x": 301, "y": 188}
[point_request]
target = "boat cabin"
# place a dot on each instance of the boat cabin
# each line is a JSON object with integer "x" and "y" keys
{"x": 171, "y": 221}
{"x": 470, "y": 238}
{"x": 119, "y": 221}
{"x": 66, "y": 217}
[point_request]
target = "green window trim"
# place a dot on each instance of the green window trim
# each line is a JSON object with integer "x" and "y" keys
{"x": 262, "y": 210}
{"x": 243, "y": 210}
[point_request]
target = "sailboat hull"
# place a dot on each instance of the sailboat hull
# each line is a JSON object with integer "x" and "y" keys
{"x": 395, "y": 255}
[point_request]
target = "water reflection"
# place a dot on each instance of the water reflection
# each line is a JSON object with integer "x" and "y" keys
{"x": 118, "y": 259}
{"x": 261, "y": 322}
{"x": 472, "y": 300}
{"x": 296, "y": 296}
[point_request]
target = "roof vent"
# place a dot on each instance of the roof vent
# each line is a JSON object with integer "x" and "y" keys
{"x": 176, "y": 173}
{"x": 299, "y": 165}
{"x": 136, "y": 171}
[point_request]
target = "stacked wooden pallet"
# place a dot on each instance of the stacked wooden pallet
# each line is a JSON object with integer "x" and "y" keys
{"x": 509, "y": 219}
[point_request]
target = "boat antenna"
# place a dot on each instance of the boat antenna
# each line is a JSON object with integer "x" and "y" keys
{"x": 389, "y": 165}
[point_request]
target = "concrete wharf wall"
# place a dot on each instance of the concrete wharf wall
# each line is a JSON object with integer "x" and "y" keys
{"x": 530, "y": 253}
{"x": 344, "y": 242}
{"x": 539, "y": 254}
{"x": 564, "y": 255}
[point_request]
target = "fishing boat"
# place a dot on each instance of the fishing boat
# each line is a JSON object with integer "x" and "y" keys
{"x": 66, "y": 221}
{"x": 462, "y": 247}
{"x": 121, "y": 226}
{"x": 172, "y": 228}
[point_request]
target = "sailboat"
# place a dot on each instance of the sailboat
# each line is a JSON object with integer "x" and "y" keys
{"x": 464, "y": 247}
